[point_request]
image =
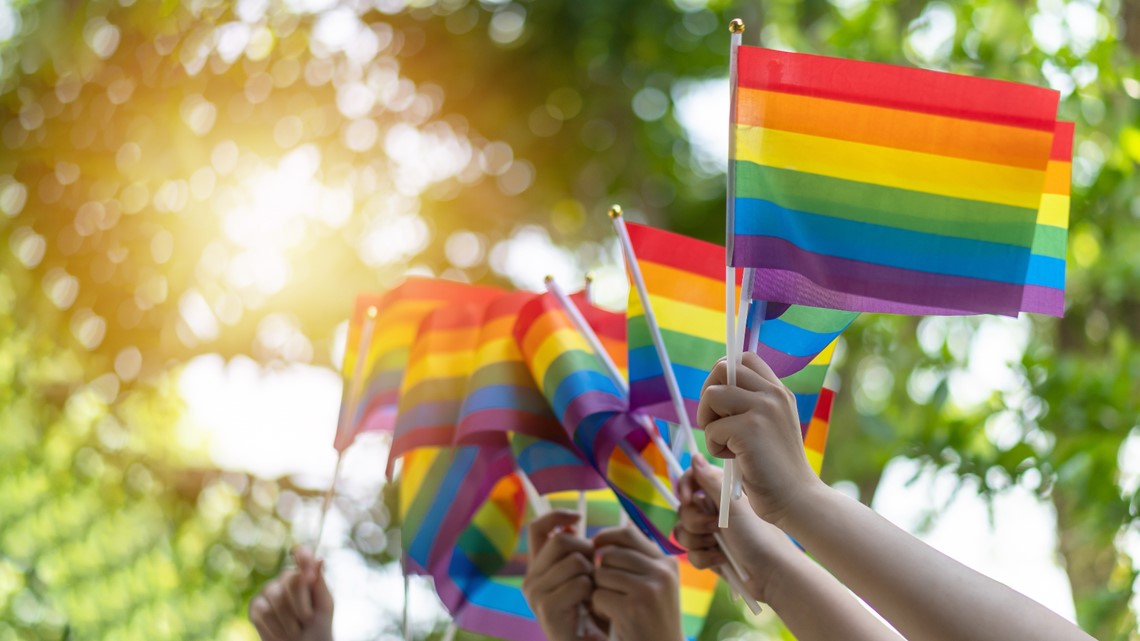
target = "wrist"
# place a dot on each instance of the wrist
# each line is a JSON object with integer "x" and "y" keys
{"x": 796, "y": 518}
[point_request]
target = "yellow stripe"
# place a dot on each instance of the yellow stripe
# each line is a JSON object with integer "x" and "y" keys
{"x": 824, "y": 357}
{"x": 1054, "y": 211}
{"x": 555, "y": 345}
{"x": 414, "y": 469}
{"x": 445, "y": 365}
{"x": 695, "y": 601}
{"x": 901, "y": 169}
{"x": 815, "y": 459}
{"x": 497, "y": 351}
{"x": 692, "y": 320}
{"x": 633, "y": 484}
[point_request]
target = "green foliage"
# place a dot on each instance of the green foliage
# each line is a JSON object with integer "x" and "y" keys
{"x": 149, "y": 216}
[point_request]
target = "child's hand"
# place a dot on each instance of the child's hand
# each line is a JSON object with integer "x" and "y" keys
{"x": 756, "y": 422}
{"x": 296, "y": 606}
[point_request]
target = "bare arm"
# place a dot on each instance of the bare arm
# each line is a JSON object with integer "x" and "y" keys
{"x": 812, "y": 604}
{"x": 926, "y": 595}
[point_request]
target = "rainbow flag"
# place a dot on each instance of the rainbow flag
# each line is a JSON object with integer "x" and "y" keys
{"x": 440, "y": 489}
{"x": 482, "y": 586}
{"x": 400, "y": 312}
{"x": 593, "y": 409}
{"x": 1045, "y": 289}
{"x": 872, "y": 187}
{"x": 815, "y": 431}
{"x": 685, "y": 281}
{"x": 439, "y": 368}
{"x": 503, "y": 405}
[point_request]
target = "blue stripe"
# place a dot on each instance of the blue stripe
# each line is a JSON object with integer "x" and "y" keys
{"x": 643, "y": 365}
{"x": 794, "y": 340}
{"x": 579, "y": 383}
{"x": 1046, "y": 271}
{"x": 881, "y": 245}
{"x": 491, "y": 397}
{"x": 805, "y": 406}
{"x": 541, "y": 455}
{"x": 485, "y": 593}
{"x": 441, "y": 503}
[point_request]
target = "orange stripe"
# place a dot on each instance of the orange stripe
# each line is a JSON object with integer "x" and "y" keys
{"x": 816, "y": 437}
{"x": 1058, "y": 178}
{"x": 694, "y": 578}
{"x": 900, "y": 129}
{"x": 678, "y": 284}
{"x": 450, "y": 340}
{"x": 546, "y": 324}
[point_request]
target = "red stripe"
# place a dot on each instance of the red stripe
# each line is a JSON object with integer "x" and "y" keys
{"x": 1063, "y": 141}
{"x": 679, "y": 252}
{"x": 823, "y": 405}
{"x": 918, "y": 90}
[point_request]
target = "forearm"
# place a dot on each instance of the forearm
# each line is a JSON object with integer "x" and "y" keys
{"x": 810, "y": 602}
{"x": 816, "y": 607}
{"x": 926, "y": 595}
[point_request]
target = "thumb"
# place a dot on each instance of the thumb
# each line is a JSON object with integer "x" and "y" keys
{"x": 322, "y": 598}
{"x": 707, "y": 475}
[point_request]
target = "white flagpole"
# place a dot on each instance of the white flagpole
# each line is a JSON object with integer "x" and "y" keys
{"x": 736, "y": 28}
{"x": 686, "y": 435}
{"x": 347, "y": 409}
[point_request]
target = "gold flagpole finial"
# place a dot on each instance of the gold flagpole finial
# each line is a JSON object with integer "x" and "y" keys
{"x": 549, "y": 279}
{"x": 615, "y": 211}
{"x": 372, "y": 311}
{"x": 589, "y": 277}
{"x": 736, "y": 26}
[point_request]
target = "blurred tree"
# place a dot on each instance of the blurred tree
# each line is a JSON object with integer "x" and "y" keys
{"x": 204, "y": 176}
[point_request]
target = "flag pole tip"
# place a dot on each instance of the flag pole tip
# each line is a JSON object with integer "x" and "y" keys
{"x": 589, "y": 277}
{"x": 615, "y": 211}
{"x": 549, "y": 279}
{"x": 372, "y": 311}
{"x": 736, "y": 26}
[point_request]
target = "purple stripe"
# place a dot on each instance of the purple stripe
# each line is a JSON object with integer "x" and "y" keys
{"x": 782, "y": 364}
{"x": 420, "y": 437}
{"x": 794, "y": 275}
{"x": 588, "y": 403}
{"x": 565, "y": 478}
{"x": 620, "y": 427}
{"x": 486, "y": 424}
{"x": 498, "y": 624}
{"x": 651, "y": 396}
{"x": 490, "y": 465}
{"x": 1044, "y": 300}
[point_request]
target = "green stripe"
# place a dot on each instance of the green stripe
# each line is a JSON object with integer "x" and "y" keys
{"x": 1050, "y": 241}
{"x": 503, "y": 373}
{"x": 818, "y": 320}
{"x": 683, "y": 349}
{"x": 424, "y": 496}
{"x": 567, "y": 363}
{"x": 806, "y": 381}
{"x": 886, "y": 206}
{"x": 481, "y": 551}
{"x": 434, "y": 390}
{"x": 692, "y": 624}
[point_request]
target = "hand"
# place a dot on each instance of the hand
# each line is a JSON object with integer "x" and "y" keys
{"x": 297, "y": 605}
{"x": 756, "y": 422}
{"x": 762, "y": 547}
{"x": 559, "y": 578}
{"x": 638, "y": 586}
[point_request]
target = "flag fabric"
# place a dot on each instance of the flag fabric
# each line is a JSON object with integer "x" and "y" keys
{"x": 684, "y": 278}
{"x": 358, "y": 362}
{"x": 1045, "y": 290}
{"x": 503, "y": 405}
{"x": 399, "y": 314}
{"x": 872, "y": 187}
{"x": 815, "y": 430}
{"x": 439, "y": 367}
{"x": 593, "y": 409}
